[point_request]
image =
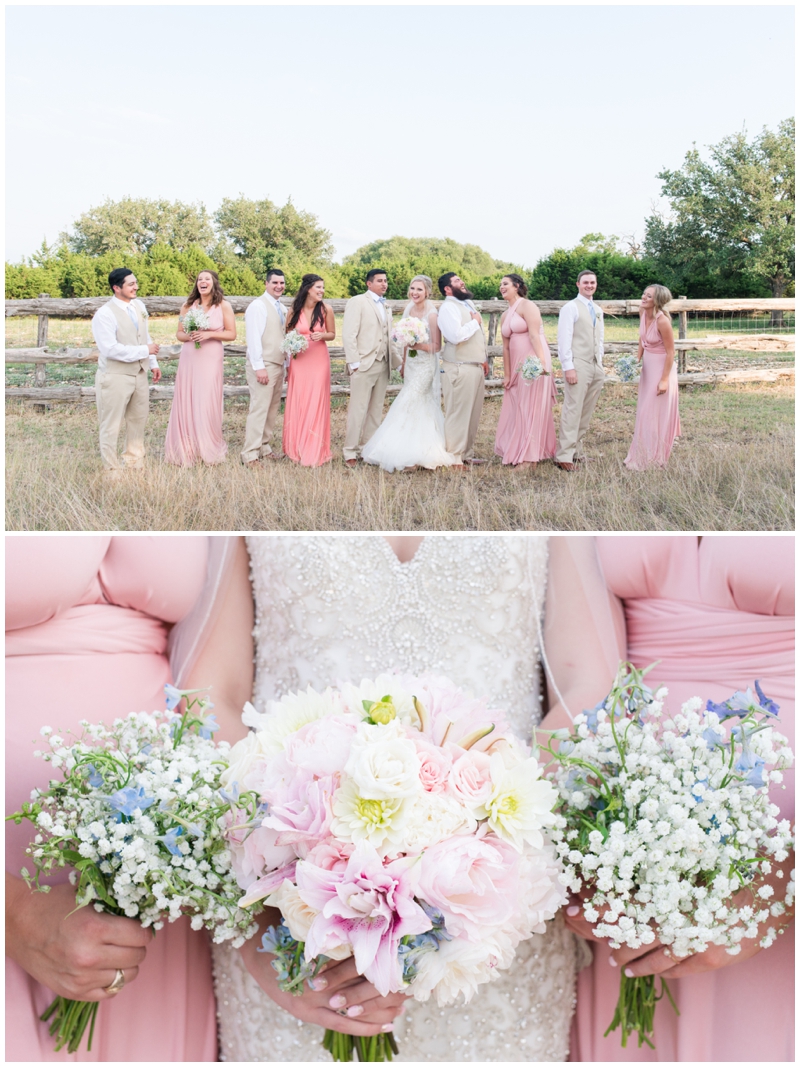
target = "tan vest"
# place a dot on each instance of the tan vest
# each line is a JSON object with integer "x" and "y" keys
{"x": 272, "y": 337}
{"x": 127, "y": 335}
{"x": 473, "y": 350}
{"x": 586, "y": 335}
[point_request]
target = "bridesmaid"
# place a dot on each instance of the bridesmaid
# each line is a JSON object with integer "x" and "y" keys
{"x": 716, "y": 613}
{"x": 307, "y": 416}
{"x": 525, "y": 429}
{"x": 195, "y": 421}
{"x": 657, "y": 420}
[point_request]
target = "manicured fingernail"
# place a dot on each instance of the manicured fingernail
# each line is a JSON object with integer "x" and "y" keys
{"x": 356, "y": 1009}
{"x": 612, "y": 962}
{"x": 338, "y": 1001}
{"x": 573, "y": 910}
{"x": 387, "y": 1028}
{"x": 629, "y": 973}
{"x": 318, "y": 984}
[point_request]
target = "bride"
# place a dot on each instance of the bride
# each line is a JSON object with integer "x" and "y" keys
{"x": 330, "y": 609}
{"x": 412, "y": 434}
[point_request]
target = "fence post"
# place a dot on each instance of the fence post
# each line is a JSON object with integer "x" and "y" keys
{"x": 40, "y": 369}
{"x": 683, "y": 319}
{"x": 494, "y": 318}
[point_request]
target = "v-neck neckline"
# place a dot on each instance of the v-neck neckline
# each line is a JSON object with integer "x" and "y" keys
{"x": 407, "y": 562}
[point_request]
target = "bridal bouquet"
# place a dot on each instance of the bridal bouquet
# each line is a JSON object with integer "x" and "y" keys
{"x": 532, "y": 369}
{"x": 137, "y": 816}
{"x": 293, "y": 344}
{"x": 665, "y": 821}
{"x": 627, "y": 368}
{"x": 195, "y": 319}
{"x": 400, "y": 822}
{"x": 409, "y": 332}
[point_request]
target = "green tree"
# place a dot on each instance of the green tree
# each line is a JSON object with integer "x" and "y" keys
{"x": 732, "y": 214}
{"x": 131, "y": 226}
{"x": 619, "y": 276}
{"x": 260, "y": 235}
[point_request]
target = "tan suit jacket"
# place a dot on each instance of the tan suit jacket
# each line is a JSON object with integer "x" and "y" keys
{"x": 365, "y": 336}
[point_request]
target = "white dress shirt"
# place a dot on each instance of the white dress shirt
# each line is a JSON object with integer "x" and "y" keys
{"x": 255, "y": 319}
{"x": 104, "y": 331}
{"x": 380, "y": 301}
{"x": 450, "y": 323}
{"x": 567, "y": 317}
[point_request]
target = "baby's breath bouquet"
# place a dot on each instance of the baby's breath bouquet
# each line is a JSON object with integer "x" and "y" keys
{"x": 293, "y": 344}
{"x": 138, "y": 818}
{"x": 665, "y": 819}
{"x": 532, "y": 369}
{"x": 627, "y": 368}
{"x": 195, "y": 319}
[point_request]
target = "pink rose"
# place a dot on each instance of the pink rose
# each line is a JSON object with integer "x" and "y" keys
{"x": 301, "y": 810}
{"x": 321, "y": 747}
{"x": 435, "y": 766}
{"x": 471, "y": 778}
{"x": 330, "y": 855}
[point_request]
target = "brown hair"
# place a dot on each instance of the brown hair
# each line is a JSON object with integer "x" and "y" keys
{"x": 518, "y": 283}
{"x": 217, "y": 294}
{"x": 318, "y": 315}
{"x": 584, "y": 272}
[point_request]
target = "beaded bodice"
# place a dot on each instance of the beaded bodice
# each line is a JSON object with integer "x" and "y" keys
{"x": 342, "y": 608}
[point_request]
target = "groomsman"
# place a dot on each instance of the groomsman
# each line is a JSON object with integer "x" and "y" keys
{"x": 366, "y": 336}
{"x": 126, "y": 352}
{"x": 265, "y": 325}
{"x": 465, "y": 367}
{"x": 580, "y": 349}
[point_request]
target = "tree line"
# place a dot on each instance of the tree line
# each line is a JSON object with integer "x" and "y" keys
{"x": 729, "y": 231}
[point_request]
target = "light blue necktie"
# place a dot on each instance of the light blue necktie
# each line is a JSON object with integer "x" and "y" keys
{"x": 592, "y": 313}
{"x": 133, "y": 317}
{"x": 281, "y": 312}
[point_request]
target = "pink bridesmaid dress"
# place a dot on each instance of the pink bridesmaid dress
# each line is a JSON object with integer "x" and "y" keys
{"x": 87, "y": 620}
{"x": 195, "y": 420}
{"x": 658, "y": 422}
{"x": 525, "y": 430}
{"x": 717, "y": 614}
{"x": 307, "y": 415}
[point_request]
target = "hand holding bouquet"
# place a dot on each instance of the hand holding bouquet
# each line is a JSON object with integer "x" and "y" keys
{"x": 399, "y": 822}
{"x": 293, "y": 344}
{"x": 410, "y": 332}
{"x": 664, "y": 821}
{"x": 195, "y": 319}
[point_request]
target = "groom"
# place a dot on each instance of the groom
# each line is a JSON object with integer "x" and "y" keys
{"x": 580, "y": 350}
{"x": 465, "y": 367}
{"x": 265, "y": 322}
{"x": 367, "y": 340}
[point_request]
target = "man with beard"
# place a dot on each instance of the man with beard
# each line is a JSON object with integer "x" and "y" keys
{"x": 465, "y": 367}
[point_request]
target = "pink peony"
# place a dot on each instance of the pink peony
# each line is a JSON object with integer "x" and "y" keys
{"x": 258, "y": 853}
{"x": 330, "y": 855}
{"x": 322, "y": 747}
{"x": 434, "y": 766}
{"x": 473, "y": 879}
{"x": 471, "y": 778}
{"x": 301, "y": 812}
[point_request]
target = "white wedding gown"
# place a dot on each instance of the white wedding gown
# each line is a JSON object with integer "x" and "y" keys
{"x": 412, "y": 434}
{"x": 345, "y": 608}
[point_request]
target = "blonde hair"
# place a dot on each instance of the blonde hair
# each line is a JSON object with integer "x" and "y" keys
{"x": 661, "y": 297}
{"x": 426, "y": 281}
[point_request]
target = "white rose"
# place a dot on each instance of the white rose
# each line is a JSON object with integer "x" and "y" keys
{"x": 383, "y": 764}
{"x": 297, "y": 915}
{"x": 243, "y": 757}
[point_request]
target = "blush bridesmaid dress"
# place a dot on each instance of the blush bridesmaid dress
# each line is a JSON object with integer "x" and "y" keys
{"x": 718, "y": 614}
{"x": 525, "y": 430}
{"x": 87, "y": 621}
{"x": 657, "y": 420}
{"x": 307, "y": 416}
{"x": 194, "y": 431}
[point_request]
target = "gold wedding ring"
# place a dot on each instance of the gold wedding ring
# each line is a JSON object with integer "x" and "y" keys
{"x": 116, "y": 985}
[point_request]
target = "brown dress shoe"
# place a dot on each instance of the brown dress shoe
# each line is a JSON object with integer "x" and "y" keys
{"x": 475, "y": 462}
{"x": 565, "y": 466}
{"x": 350, "y": 463}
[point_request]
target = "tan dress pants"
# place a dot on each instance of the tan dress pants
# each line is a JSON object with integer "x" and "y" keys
{"x": 577, "y": 409}
{"x": 463, "y": 389}
{"x": 365, "y": 410}
{"x": 265, "y": 400}
{"x": 122, "y": 396}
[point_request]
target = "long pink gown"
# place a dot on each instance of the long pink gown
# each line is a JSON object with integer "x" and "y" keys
{"x": 195, "y": 419}
{"x": 526, "y": 432}
{"x": 307, "y": 416}
{"x": 87, "y": 620}
{"x": 658, "y": 422}
{"x": 718, "y": 615}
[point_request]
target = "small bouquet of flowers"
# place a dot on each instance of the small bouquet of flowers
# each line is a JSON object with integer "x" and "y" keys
{"x": 532, "y": 369}
{"x": 409, "y": 332}
{"x": 665, "y": 821}
{"x": 400, "y": 822}
{"x": 138, "y": 817}
{"x": 293, "y": 344}
{"x": 195, "y": 319}
{"x": 627, "y": 368}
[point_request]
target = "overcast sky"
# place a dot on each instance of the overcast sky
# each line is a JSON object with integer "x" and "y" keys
{"x": 516, "y": 128}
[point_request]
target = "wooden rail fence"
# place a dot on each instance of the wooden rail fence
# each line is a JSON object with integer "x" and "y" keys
{"x": 45, "y": 307}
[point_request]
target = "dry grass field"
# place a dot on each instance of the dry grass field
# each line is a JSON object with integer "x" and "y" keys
{"x": 733, "y": 469}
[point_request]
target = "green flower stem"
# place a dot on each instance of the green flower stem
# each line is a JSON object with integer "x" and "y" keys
{"x": 380, "y": 1048}
{"x": 636, "y": 1007}
{"x": 70, "y": 1019}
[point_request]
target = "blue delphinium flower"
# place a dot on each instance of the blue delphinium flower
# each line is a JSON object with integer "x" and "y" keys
{"x": 94, "y": 777}
{"x": 713, "y": 738}
{"x": 566, "y": 747}
{"x": 752, "y": 767}
{"x": 766, "y": 704}
{"x": 174, "y": 696}
{"x": 743, "y": 704}
{"x": 209, "y": 726}
{"x": 591, "y": 716}
{"x": 127, "y": 801}
{"x": 170, "y": 839}
{"x": 230, "y": 795}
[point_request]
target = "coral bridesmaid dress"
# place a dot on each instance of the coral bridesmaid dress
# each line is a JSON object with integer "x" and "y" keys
{"x": 525, "y": 430}
{"x": 307, "y": 416}
{"x": 195, "y": 419}
{"x": 657, "y": 420}
{"x": 87, "y": 620}
{"x": 717, "y": 614}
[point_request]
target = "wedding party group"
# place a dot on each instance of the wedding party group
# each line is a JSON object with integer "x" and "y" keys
{"x": 441, "y": 354}
{"x": 439, "y": 798}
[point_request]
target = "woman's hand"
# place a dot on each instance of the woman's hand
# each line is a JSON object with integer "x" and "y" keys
{"x": 341, "y": 998}
{"x": 423, "y": 348}
{"x": 507, "y": 383}
{"x": 200, "y": 335}
{"x": 662, "y": 386}
{"x": 317, "y": 335}
{"x": 74, "y": 953}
